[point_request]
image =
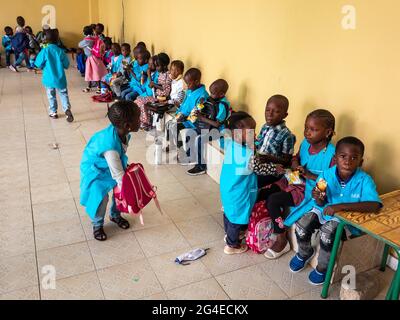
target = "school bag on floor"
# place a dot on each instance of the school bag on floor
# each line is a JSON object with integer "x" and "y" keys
{"x": 136, "y": 192}
{"x": 103, "y": 98}
{"x": 260, "y": 233}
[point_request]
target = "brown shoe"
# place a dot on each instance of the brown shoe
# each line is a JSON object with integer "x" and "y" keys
{"x": 230, "y": 250}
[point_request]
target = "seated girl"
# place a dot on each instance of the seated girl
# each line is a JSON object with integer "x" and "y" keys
{"x": 316, "y": 154}
{"x": 161, "y": 87}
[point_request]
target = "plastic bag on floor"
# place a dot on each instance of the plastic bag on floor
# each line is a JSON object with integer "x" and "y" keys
{"x": 191, "y": 256}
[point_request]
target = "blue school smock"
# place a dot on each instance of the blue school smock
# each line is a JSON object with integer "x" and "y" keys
{"x": 96, "y": 179}
{"x": 238, "y": 184}
{"x": 149, "y": 91}
{"x": 360, "y": 188}
{"x": 135, "y": 84}
{"x": 316, "y": 164}
{"x": 192, "y": 99}
{"x": 53, "y": 61}
{"x": 6, "y": 42}
{"x": 115, "y": 67}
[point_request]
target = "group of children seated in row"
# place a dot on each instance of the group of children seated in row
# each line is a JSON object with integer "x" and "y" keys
{"x": 254, "y": 169}
{"x": 24, "y": 44}
{"x": 153, "y": 82}
{"x": 332, "y": 181}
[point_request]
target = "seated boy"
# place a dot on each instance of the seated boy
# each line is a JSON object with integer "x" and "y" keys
{"x": 208, "y": 122}
{"x": 195, "y": 93}
{"x": 6, "y": 42}
{"x": 177, "y": 92}
{"x": 121, "y": 80}
{"x": 138, "y": 76}
{"x": 275, "y": 143}
{"x": 344, "y": 187}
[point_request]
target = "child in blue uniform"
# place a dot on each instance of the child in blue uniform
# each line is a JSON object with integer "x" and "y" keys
{"x": 115, "y": 66}
{"x": 104, "y": 163}
{"x": 123, "y": 74}
{"x": 6, "y": 42}
{"x": 238, "y": 184}
{"x": 210, "y": 121}
{"x": 347, "y": 188}
{"x": 53, "y": 61}
{"x": 315, "y": 155}
{"x": 196, "y": 92}
{"x": 138, "y": 76}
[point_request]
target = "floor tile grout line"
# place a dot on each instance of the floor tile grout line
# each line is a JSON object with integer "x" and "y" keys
{"x": 151, "y": 267}
{"x": 30, "y": 193}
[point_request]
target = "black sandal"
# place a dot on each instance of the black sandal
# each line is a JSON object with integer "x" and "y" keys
{"x": 99, "y": 234}
{"x": 121, "y": 222}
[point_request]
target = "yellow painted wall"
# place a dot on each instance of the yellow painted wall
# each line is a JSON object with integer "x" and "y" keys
{"x": 294, "y": 47}
{"x": 71, "y": 16}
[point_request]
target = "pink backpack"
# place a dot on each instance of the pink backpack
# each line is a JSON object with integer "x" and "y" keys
{"x": 259, "y": 235}
{"x": 99, "y": 48}
{"x": 136, "y": 191}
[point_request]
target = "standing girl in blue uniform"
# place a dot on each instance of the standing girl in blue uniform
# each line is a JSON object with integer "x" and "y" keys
{"x": 53, "y": 61}
{"x": 347, "y": 188}
{"x": 104, "y": 163}
{"x": 238, "y": 183}
{"x": 316, "y": 154}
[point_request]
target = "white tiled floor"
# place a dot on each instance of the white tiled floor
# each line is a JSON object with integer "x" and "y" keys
{"x": 43, "y": 224}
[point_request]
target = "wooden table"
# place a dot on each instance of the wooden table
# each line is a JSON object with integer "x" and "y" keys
{"x": 383, "y": 226}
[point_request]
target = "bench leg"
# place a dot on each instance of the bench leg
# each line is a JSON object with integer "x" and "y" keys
{"x": 393, "y": 292}
{"x": 332, "y": 260}
{"x": 384, "y": 258}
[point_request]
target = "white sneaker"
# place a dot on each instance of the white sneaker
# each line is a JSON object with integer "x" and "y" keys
{"x": 12, "y": 68}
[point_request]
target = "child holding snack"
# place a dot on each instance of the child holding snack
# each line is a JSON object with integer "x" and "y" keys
{"x": 315, "y": 155}
{"x": 138, "y": 76}
{"x": 344, "y": 187}
{"x": 103, "y": 165}
{"x": 121, "y": 79}
{"x": 209, "y": 121}
{"x": 162, "y": 87}
{"x": 196, "y": 92}
{"x": 238, "y": 184}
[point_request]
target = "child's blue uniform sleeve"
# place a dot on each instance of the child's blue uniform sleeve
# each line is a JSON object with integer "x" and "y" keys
{"x": 369, "y": 193}
{"x": 222, "y": 115}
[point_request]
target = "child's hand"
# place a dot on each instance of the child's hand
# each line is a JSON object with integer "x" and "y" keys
{"x": 280, "y": 169}
{"x": 318, "y": 195}
{"x": 331, "y": 210}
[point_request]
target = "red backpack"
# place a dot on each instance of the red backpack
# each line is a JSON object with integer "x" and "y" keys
{"x": 99, "y": 48}
{"x": 259, "y": 235}
{"x": 136, "y": 191}
{"x": 105, "y": 97}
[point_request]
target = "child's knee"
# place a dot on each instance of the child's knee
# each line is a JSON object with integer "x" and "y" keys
{"x": 303, "y": 227}
{"x": 328, "y": 232}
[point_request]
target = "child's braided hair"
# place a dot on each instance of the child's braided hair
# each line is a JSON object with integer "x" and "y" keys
{"x": 327, "y": 117}
{"x": 122, "y": 112}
